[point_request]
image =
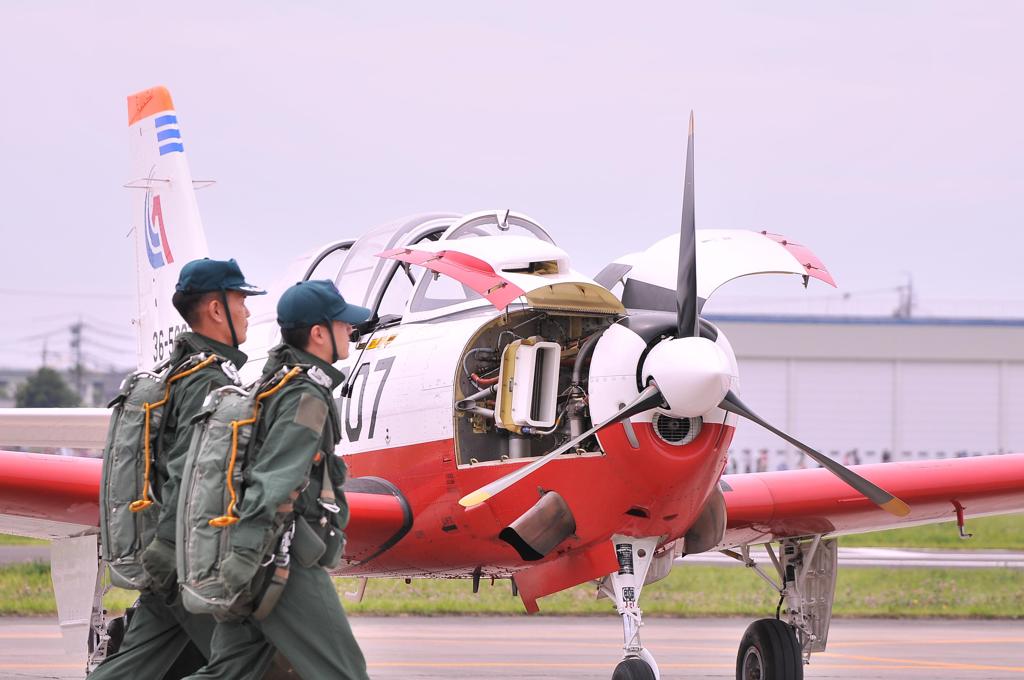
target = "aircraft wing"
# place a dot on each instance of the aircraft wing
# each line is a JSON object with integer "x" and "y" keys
{"x": 767, "y": 506}
{"x": 48, "y": 496}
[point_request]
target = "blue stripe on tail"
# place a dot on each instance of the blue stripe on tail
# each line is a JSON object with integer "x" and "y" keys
{"x": 171, "y": 148}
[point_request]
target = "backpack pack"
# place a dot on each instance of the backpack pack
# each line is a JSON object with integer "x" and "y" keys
{"x": 214, "y": 475}
{"x": 129, "y": 508}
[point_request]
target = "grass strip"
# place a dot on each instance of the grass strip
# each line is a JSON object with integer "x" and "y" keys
{"x": 1001, "y": 532}
{"x": 26, "y": 590}
{"x": 7, "y": 539}
{"x": 699, "y": 590}
{"x": 694, "y": 590}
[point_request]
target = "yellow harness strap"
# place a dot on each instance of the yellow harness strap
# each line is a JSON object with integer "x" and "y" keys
{"x": 229, "y": 517}
{"x": 145, "y": 501}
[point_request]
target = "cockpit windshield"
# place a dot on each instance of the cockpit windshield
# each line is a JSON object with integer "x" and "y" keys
{"x": 363, "y": 273}
{"x": 435, "y": 292}
{"x": 386, "y": 287}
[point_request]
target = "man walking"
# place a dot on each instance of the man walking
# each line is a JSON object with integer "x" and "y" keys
{"x": 294, "y": 475}
{"x": 163, "y": 640}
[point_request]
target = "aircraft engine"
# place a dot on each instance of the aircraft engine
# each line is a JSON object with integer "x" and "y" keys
{"x": 687, "y": 375}
{"x": 522, "y": 388}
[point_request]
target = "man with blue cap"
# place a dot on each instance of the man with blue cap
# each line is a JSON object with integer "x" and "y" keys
{"x": 295, "y": 475}
{"x": 163, "y": 640}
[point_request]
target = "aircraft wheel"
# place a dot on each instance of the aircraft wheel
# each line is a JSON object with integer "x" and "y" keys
{"x": 769, "y": 650}
{"x": 116, "y": 629}
{"x": 633, "y": 668}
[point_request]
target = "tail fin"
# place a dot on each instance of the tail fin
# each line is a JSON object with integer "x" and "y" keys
{"x": 165, "y": 217}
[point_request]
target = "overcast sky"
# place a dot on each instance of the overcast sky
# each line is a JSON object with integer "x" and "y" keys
{"x": 886, "y": 136}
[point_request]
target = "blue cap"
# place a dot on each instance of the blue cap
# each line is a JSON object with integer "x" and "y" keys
{"x": 208, "y": 276}
{"x": 308, "y": 303}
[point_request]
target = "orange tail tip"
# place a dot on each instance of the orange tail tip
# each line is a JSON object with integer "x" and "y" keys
{"x": 223, "y": 521}
{"x": 137, "y": 506}
{"x": 148, "y": 102}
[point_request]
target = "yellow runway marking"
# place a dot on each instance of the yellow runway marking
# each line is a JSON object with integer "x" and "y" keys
{"x": 825, "y": 660}
{"x": 924, "y": 664}
{"x": 961, "y": 641}
{"x": 527, "y": 664}
{"x": 29, "y": 636}
{"x": 894, "y": 664}
{"x": 558, "y": 643}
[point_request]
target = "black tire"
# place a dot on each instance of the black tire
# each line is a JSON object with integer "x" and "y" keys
{"x": 769, "y": 650}
{"x": 633, "y": 668}
{"x": 115, "y": 629}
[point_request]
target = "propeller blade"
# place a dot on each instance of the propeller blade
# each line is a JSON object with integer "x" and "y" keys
{"x": 686, "y": 283}
{"x": 875, "y": 494}
{"x": 648, "y": 399}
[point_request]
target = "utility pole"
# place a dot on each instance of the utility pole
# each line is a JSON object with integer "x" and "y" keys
{"x": 76, "y": 352}
{"x": 905, "y": 308}
{"x": 45, "y": 340}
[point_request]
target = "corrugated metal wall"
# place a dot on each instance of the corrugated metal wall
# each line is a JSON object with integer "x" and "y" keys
{"x": 850, "y": 401}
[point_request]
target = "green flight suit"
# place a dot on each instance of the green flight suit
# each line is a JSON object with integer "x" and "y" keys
{"x": 163, "y": 637}
{"x": 295, "y": 437}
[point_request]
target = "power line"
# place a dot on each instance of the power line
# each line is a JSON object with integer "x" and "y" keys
{"x": 108, "y": 348}
{"x": 101, "y": 364}
{"x": 109, "y": 334}
{"x": 106, "y": 326}
{"x": 40, "y": 336}
{"x": 127, "y": 338}
{"x": 63, "y": 293}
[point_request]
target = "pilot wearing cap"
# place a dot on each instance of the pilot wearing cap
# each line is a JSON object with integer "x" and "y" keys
{"x": 210, "y": 296}
{"x": 295, "y": 474}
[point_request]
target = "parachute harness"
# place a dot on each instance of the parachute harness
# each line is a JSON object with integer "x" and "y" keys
{"x": 145, "y": 501}
{"x": 229, "y": 517}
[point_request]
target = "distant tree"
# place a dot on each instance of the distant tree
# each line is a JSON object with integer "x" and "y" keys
{"x": 45, "y": 389}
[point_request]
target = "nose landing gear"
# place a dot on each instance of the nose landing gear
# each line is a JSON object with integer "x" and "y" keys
{"x": 633, "y": 668}
{"x": 623, "y": 587}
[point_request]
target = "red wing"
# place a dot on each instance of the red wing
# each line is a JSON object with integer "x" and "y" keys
{"x": 772, "y": 505}
{"x": 48, "y": 496}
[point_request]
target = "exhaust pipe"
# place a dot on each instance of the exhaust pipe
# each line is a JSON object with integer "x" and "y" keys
{"x": 709, "y": 528}
{"x": 541, "y": 528}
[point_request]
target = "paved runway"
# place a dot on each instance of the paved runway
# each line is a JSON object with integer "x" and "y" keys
{"x": 421, "y": 648}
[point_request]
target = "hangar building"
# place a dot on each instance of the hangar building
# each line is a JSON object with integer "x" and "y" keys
{"x": 873, "y": 389}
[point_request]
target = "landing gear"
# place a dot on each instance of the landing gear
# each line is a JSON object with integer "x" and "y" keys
{"x": 106, "y": 633}
{"x": 623, "y": 587}
{"x": 115, "y": 632}
{"x": 633, "y": 668}
{"x": 776, "y": 649}
{"x": 769, "y": 650}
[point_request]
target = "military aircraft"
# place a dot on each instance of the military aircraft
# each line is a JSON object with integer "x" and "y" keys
{"x": 505, "y": 416}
